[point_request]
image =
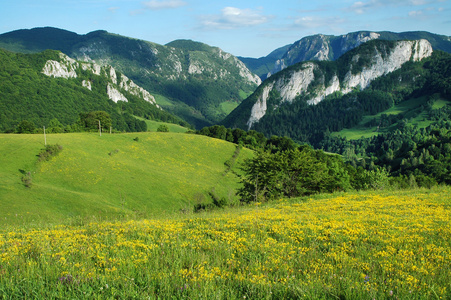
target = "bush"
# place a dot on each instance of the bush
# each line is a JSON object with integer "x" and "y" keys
{"x": 163, "y": 128}
{"x": 49, "y": 151}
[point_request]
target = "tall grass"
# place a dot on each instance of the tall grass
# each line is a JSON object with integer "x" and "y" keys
{"x": 343, "y": 246}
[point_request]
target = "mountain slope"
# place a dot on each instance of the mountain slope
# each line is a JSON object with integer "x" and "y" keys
{"x": 309, "y": 99}
{"x": 195, "y": 80}
{"x": 263, "y": 66}
{"x": 48, "y": 85}
{"x": 329, "y": 47}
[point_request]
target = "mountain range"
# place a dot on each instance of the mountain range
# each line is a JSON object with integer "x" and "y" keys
{"x": 309, "y": 99}
{"x": 204, "y": 85}
{"x": 329, "y": 47}
{"x": 200, "y": 83}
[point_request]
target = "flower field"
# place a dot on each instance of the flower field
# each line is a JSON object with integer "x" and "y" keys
{"x": 394, "y": 245}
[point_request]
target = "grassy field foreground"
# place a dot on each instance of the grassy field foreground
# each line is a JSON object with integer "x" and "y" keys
{"x": 387, "y": 245}
{"x": 112, "y": 176}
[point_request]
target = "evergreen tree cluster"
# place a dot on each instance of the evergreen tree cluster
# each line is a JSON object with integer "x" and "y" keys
{"x": 292, "y": 173}
{"x": 423, "y": 154}
{"x": 250, "y": 139}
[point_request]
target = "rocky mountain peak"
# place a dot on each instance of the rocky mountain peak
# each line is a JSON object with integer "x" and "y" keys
{"x": 309, "y": 79}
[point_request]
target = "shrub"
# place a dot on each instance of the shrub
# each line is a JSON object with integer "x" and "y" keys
{"x": 163, "y": 128}
{"x": 49, "y": 151}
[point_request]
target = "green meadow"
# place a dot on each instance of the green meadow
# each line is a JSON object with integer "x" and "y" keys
{"x": 412, "y": 110}
{"x": 112, "y": 176}
{"x": 152, "y": 126}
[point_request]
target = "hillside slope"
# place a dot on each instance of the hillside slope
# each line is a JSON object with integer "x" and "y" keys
{"x": 195, "y": 78}
{"x": 109, "y": 176}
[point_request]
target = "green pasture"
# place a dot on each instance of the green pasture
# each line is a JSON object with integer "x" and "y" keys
{"x": 411, "y": 110}
{"x": 152, "y": 126}
{"x": 112, "y": 176}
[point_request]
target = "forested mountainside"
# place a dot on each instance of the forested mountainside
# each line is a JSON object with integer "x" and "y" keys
{"x": 310, "y": 99}
{"x": 199, "y": 83}
{"x": 50, "y": 87}
{"x": 397, "y": 94}
{"x": 288, "y": 92}
{"x": 329, "y": 47}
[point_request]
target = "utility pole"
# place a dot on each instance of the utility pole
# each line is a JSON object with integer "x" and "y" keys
{"x": 100, "y": 129}
{"x": 45, "y": 138}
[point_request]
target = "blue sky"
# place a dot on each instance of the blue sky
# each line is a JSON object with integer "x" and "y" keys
{"x": 243, "y": 28}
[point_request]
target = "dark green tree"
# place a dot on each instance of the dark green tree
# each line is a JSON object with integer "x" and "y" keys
{"x": 25, "y": 126}
{"x": 90, "y": 120}
{"x": 291, "y": 173}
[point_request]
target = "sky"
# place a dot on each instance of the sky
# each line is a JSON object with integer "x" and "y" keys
{"x": 250, "y": 28}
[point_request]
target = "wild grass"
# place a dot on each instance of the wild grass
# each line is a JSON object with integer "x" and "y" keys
{"x": 152, "y": 126}
{"x": 111, "y": 177}
{"x": 368, "y": 245}
{"x": 228, "y": 106}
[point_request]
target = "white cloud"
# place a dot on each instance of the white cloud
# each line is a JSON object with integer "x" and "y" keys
{"x": 415, "y": 13}
{"x": 163, "y": 4}
{"x": 361, "y": 7}
{"x": 113, "y": 9}
{"x": 318, "y": 23}
{"x": 232, "y": 17}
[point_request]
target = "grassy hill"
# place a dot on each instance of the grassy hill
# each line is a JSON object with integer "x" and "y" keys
{"x": 112, "y": 176}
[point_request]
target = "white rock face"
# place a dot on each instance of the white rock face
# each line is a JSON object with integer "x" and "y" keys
{"x": 297, "y": 83}
{"x": 363, "y": 37}
{"x": 323, "y": 53}
{"x": 67, "y": 69}
{"x": 245, "y": 73}
{"x": 114, "y": 94}
{"x": 259, "y": 108}
{"x": 94, "y": 68}
{"x": 87, "y": 84}
{"x": 136, "y": 90}
{"x": 113, "y": 76}
{"x": 403, "y": 52}
{"x": 64, "y": 69}
{"x": 195, "y": 67}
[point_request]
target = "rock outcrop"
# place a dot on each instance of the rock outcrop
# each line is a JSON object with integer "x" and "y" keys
{"x": 67, "y": 67}
{"x": 308, "y": 79}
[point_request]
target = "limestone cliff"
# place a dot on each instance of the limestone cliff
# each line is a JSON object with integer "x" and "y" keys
{"x": 356, "y": 70}
{"x": 67, "y": 67}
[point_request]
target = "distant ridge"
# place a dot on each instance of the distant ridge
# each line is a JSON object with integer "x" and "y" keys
{"x": 330, "y": 47}
{"x": 197, "y": 82}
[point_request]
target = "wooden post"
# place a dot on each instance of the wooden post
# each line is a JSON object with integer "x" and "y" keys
{"x": 100, "y": 129}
